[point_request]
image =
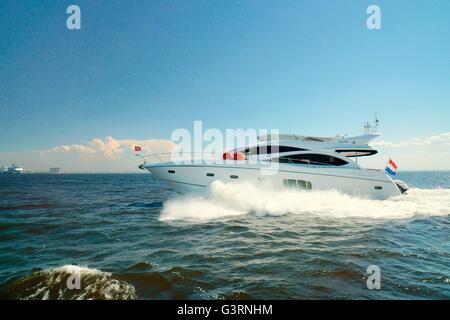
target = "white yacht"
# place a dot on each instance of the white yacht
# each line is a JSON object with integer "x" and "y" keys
{"x": 13, "y": 169}
{"x": 290, "y": 161}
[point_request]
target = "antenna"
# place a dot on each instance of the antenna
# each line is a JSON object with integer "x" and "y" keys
{"x": 368, "y": 128}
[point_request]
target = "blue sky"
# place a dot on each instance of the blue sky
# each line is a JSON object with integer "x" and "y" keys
{"x": 140, "y": 69}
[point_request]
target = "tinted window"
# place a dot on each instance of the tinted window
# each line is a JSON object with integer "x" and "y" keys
{"x": 270, "y": 149}
{"x": 297, "y": 184}
{"x": 310, "y": 158}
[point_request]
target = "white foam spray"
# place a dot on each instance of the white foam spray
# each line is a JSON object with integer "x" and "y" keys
{"x": 52, "y": 284}
{"x": 227, "y": 200}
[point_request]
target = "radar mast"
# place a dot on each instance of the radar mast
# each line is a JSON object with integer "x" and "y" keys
{"x": 370, "y": 129}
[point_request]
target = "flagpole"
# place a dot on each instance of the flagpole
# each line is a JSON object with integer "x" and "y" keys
{"x": 138, "y": 155}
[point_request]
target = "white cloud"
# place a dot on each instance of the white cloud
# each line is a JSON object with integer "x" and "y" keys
{"x": 424, "y": 153}
{"x": 439, "y": 139}
{"x": 111, "y": 148}
{"x": 74, "y": 148}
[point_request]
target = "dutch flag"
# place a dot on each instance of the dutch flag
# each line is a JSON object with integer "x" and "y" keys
{"x": 391, "y": 167}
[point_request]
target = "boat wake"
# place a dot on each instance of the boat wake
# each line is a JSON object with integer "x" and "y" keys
{"x": 227, "y": 200}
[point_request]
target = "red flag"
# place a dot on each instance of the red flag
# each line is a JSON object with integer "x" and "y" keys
{"x": 393, "y": 164}
{"x": 137, "y": 149}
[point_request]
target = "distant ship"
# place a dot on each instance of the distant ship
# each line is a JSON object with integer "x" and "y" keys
{"x": 13, "y": 169}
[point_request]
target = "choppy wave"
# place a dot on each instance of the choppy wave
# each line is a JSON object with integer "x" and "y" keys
{"x": 229, "y": 200}
{"x": 140, "y": 281}
{"x": 53, "y": 284}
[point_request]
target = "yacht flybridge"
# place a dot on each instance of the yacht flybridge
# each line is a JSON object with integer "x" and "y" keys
{"x": 285, "y": 161}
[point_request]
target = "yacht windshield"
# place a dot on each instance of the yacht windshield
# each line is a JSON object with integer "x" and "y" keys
{"x": 270, "y": 149}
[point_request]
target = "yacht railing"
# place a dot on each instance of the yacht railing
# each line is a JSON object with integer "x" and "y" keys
{"x": 218, "y": 157}
{"x": 303, "y": 161}
{"x": 183, "y": 156}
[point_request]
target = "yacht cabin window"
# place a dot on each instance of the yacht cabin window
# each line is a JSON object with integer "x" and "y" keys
{"x": 270, "y": 149}
{"x": 312, "y": 158}
{"x": 297, "y": 184}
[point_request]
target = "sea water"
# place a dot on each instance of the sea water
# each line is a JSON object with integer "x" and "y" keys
{"x": 129, "y": 236}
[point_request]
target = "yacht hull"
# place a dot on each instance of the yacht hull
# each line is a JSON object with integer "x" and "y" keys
{"x": 198, "y": 177}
